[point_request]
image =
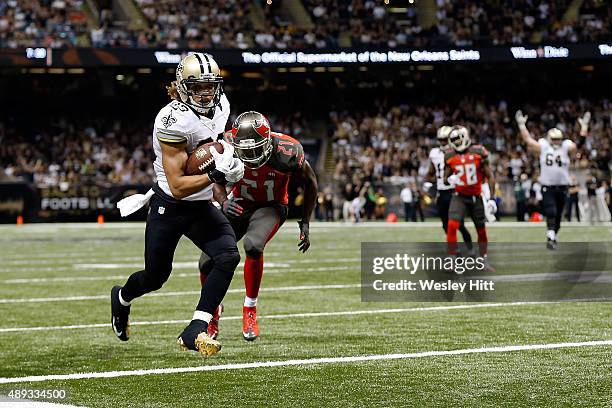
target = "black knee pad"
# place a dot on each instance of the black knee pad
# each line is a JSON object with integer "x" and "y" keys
{"x": 205, "y": 263}
{"x": 227, "y": 261}
{"x": 253, "y": 249}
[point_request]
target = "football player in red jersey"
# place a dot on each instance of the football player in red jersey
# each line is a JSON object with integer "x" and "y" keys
{"x": 467, "y": 167}
{"x": 257, "y": 204}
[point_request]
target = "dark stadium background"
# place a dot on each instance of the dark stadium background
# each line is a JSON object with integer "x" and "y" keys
{"x": 51, "y": 92}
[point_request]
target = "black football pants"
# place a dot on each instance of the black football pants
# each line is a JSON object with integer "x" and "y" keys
{"x": 202, "y": 223}
{"x": 553, "y": 202}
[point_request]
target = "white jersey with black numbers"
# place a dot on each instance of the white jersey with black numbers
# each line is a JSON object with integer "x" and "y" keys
{"x": 436, "y": 155}
{"x": 554, "y": 163}
{"x": 177, "y": 123}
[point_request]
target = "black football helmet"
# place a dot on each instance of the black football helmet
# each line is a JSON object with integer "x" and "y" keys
{"x": 251, "y": 139}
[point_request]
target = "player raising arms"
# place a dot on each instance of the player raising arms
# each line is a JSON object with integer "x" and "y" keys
{"x": 257, "y": 205}
{"x": 467, "y": 167}
{"x": 444, "y": 190}
{"x": 554, "y": 153}
{"x": 180, "y": 204}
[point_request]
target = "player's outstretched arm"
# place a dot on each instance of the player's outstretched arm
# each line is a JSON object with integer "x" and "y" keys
{"x": 584, "y": 132}
{"x": 521, "y": 121}
{"x": 174, "y": 160}
{"x": 309, "y": 178}
{"x": 488, "y": 173}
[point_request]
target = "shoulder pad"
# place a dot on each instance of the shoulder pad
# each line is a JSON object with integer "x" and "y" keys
{"x": 173, "y": 123}
{"x": 289, "y": 153}
{"x": 479, "y": 149}
{"x": 449, "y": 155}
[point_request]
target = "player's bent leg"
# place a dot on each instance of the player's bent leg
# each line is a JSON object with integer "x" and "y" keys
{"x": 467, "y": 238}
{"x": 162, "y": 235}
{"x": 212, "y": 233}
{"x": 262, "y": 226}
{"x": 451, "y": 236}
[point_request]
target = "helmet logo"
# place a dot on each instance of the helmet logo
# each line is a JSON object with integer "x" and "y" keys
{"x": 261, "y": 126}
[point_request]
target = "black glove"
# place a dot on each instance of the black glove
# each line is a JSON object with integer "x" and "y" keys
{"x": 231, "y": 208}
{"x": 216, "y": 176}
{"x": 304, "y": 236}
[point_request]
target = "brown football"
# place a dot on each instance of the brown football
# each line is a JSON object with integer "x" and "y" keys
{"x": 200, "y": 161}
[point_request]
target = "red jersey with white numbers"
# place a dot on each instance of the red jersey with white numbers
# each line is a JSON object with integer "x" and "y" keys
{"x": 269, "y": 183}
{"x": 468, "y": 167}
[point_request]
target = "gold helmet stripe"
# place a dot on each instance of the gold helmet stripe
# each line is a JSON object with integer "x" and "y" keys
{"x": 201, "y": 64}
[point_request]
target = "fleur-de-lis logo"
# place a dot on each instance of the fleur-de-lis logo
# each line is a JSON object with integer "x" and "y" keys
{"x": 169, "y": 120}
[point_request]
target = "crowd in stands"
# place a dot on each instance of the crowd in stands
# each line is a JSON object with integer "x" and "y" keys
{"x": 67, "y": 152}
{"x": 391, "y": 147}
{"x": 42, "y": 23}
{"x": 102, "y": 152}
{"x": 519, "y": 22}
{"x": 362, "y": 23}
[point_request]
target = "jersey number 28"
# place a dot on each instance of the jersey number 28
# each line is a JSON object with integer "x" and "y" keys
{"x": 469, "y": 170}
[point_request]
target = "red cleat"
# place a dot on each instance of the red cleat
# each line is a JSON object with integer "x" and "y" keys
{"x": 250, "y": 329}
{"x": 213, "y": 326}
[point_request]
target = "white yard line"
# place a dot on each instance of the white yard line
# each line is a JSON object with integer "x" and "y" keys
{"x": 181, "y": 293}
{"x": 306, "y": 361}
{"x": 287, "y": 316}
{"x": 174, "y": 275}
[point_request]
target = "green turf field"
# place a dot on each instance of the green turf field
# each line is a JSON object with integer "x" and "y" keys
{"x": 54, "y": 276}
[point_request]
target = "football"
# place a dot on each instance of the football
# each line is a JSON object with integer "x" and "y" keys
{"x": 201, "y": 161}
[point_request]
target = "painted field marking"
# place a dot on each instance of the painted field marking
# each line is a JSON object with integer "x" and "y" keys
{"x": 289, "y": 316}
{"x": 306, "y": 361}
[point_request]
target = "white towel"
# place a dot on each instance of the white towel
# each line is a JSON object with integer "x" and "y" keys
{"x": 133, "y": 203}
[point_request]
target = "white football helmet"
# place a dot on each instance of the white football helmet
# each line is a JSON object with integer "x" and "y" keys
{"x": 192, "y": 74}
{"x": 442, "y": 134}
{"x": 555, "y": 136}
{"x": 459, "y": 138}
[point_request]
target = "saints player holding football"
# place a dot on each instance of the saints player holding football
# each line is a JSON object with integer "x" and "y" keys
{"x": 181, "y": 204}
{"x": 257, "y": 204}
{"x": 444, "y": 190}
{"x": 467, "y": 167}
{"x": 554, "y": 153}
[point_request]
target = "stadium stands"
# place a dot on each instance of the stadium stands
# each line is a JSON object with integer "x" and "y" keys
{"x": 360, "y": 23}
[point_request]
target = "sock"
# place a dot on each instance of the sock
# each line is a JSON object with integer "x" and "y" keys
{"x": 482, "y": 240}
{"x": 451, "y": 236}
{"x": 551, "y": 234}
{"x": 200, "y": 315}
{"x": 253, "y": 272}
{"x": 250, "y": 302}
{"x": 122, "y": 301}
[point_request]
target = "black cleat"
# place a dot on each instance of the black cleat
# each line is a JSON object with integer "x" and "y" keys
{"x": 551, "y": 244}
{"x": 195, "y": 337}
{"x": 120, "y": 316}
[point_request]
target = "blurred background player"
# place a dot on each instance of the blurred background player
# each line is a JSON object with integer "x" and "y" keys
{"x": 257, "y": 204}
{"x": 467, "y": 167}
{"x": 181, "y": 204}
{"x": 444, "y": 190}
{"x": 554, "y": 153}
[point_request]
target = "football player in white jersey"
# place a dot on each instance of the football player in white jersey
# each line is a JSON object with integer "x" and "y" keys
{"x": 555, "y": 154}
{"x": 444, "y": 190}
{"x": 181, "y": 204}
